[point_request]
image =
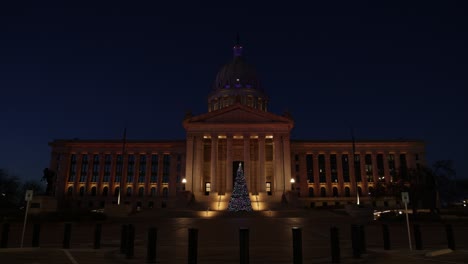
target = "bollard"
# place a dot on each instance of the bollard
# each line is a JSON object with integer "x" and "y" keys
{"x": 450, "y": 237}
{"x": 192, "y": 245}
{"x": 417, "y": 237}
{"x": 297, "y": 245}
{"x": 97, "y": 236}
{"x": 5, "y": 232}
{"x": 123, "y": 239}
{"x": 386, "y": 237}
{"x": 151, "y": 250}
{"x": 356, "y": 241}
{"x": 244, "y": 245}
{"x": 335, "y": 245}
{"x": 35, "y": 235}
{"x": 130, "y": 241}
{"x": 362, "y": 236}
{"x": 67, "y": 235}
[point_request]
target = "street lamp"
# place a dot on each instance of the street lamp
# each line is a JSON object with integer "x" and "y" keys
{"x": 292, "y": 183}
{"x": 184, "y": 181}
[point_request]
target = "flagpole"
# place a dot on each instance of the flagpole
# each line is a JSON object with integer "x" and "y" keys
{"x": 123, "y": 153}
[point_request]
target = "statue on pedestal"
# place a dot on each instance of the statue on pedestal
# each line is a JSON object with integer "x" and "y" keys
{"x": 50, "y": 176}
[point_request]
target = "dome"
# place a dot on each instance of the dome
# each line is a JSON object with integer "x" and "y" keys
{"x": 237, "y": 82}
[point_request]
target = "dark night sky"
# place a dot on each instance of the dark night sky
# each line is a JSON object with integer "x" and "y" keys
{"x": 391, "y": 69}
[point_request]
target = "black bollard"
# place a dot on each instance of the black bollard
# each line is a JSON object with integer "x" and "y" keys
{"x": 417, "y": 237}
{"x": 335, "y": 245}
{"x": 362, "y": 236}
{"x": 5, "y": 232}
{"x": 356, "y": 241}
{"x": 151, "y": 250}
{"x": 67, "y": 235}
{"x": 297, "y": 245}
{"x": 130, "y": 241}
{"x": 123, "y": 239}
{"x": 97, "y": 236}
{"x": 450, "y": 237}
{"x": 386, "y": 237}
{"x": 244, "y": 245}
{"x": 192, "y": 245}
{"x": 36, "y": 234}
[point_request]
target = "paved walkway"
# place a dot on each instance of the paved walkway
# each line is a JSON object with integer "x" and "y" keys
{"x": 270, "y": 240}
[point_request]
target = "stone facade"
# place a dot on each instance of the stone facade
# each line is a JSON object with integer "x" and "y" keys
{"x": 236, "y": 128}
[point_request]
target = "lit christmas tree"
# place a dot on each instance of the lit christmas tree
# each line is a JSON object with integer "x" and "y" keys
{"x": 240, "y": 200}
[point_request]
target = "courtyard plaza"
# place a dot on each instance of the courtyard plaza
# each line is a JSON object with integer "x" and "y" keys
{"x": 270, "y": 238}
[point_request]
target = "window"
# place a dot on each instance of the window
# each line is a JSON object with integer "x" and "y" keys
{"x": 345, "y": 167}
{"x": 357, "y": 167}
{"x": 154, "y": 168}
{"x": 166, "y": 168}
{"x": 333, "y": 167}
{"x": 71, "y": 177}
{"x": 403, "y": 167}
{"x": 116, "y": 191}
{"x": 347, "y": 192}
{"x": 311, "y": 192}
{"x": 70, "y": 191}
{"x": 129, "y": 191}
{"x": 391, "y": 165}
{"x": 142, "y": 169}
{"x": 322, "y": 174}
{"x": 105, "y": 191}
{"x": 368, "y": 166}
{"x": 141, "y": 191}
{"x": 93, "y": 191}
{"x": 130, "y": 168}
{"x": 165, "y": 192}
{"x": 82, "y": 190}
{"x": 335, "y": 192}
{"x": 310, "y": 168}
{"x": 84, "y": 168}
{"x": 323, "y": 192}
{"x": 153, "y": 191}
{"x": 380, "y": 167}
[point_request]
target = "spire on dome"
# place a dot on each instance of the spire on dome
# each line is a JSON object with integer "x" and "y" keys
{"x": 237, "y": 48}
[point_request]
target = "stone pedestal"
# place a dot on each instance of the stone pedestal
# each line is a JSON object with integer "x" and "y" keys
{"x": 42, "y": 204}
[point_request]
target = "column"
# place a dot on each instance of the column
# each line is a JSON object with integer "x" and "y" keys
{"x": 229, "y": 175}
{"x": 287, "y": 161}
{"x": 248, "y": 177}
{"x": 189, "y": 163}
{"x": 198, "y": 165}
{"x": 278, "y": 183}
{"x": 214, "y": 159}
{"x": 261, "y": 181}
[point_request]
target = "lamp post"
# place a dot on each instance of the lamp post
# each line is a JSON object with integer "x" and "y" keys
{"x": 292, "y": 183}
{"x": 184, "y": 181}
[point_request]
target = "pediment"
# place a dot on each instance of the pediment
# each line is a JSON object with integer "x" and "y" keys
{"x": 238, "y": 114}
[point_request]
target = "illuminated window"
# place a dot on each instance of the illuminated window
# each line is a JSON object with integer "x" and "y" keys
{"x": 322, "y": 174}
{"x": 345, "y": 167}
{"x": 310, "y": 168}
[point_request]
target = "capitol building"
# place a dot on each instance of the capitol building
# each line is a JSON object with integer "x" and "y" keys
{"x": 199, "y": 171}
